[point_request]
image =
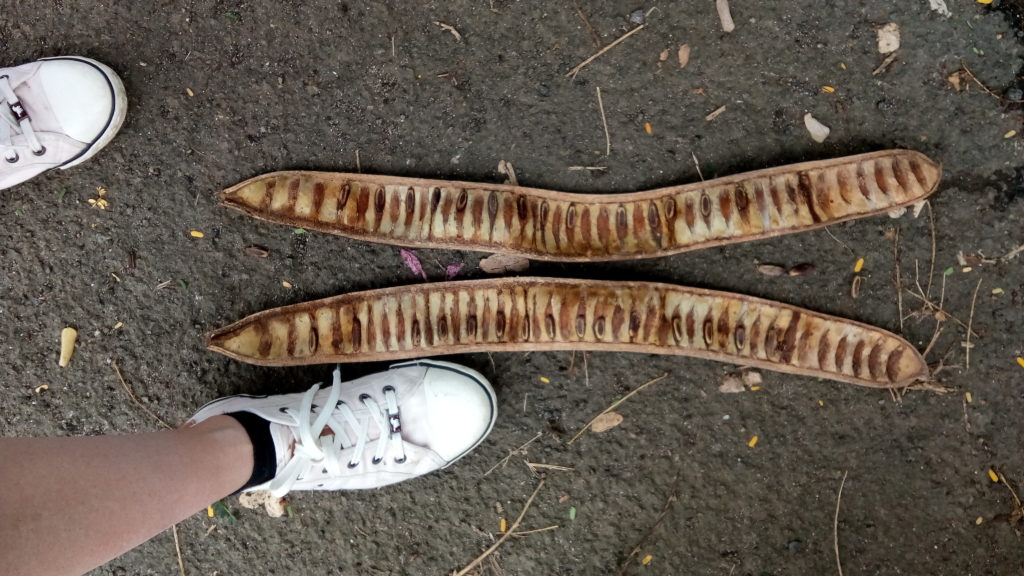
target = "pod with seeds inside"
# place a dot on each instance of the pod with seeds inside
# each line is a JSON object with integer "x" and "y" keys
{"x": 558, "y": 226}
{"x": 522, "y": 314}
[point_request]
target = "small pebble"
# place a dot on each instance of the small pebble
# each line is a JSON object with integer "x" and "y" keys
{"x": 543, "y": 90}
{"x": 794, "y": 546}
{"x": 1015, "y": 94}
{"x": 637, "y": 17}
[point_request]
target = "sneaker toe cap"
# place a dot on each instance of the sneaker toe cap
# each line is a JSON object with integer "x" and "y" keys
{"x": 80, "y": 95}
{"x": 462, "y": 410}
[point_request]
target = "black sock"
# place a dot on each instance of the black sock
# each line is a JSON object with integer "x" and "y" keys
{"x": 264, "y": 455}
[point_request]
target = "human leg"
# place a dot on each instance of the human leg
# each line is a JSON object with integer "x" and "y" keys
{"x": 70, "y": 504}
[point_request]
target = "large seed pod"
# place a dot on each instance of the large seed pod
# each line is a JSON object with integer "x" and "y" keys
{"x": 547, "y": 225}
{"x": 519, "y": 314}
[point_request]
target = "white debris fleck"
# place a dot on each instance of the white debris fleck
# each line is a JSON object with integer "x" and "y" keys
{"x": 819, "y": 132}
{"x": 889, "y": 38}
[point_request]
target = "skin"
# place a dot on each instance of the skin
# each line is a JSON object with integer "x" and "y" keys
{"x": 69, "y": 505}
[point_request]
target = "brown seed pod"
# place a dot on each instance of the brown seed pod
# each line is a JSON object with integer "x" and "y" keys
{"x": 496, "y": 315}
{"x": 558, "y": 226}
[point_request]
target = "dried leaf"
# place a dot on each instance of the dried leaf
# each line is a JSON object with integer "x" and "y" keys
{"x": 819, "y": 132}
{"x": 606, "y": 421}
{"x": 802, "y": 269}
{"x": 752, "y": 378}
{"x": 732, "y": 384}
{"x": 954, "y": 80}
{"x": 771, "y": 270}
{"x": 452, "y": 271}
{"x": 889, "y": 38}
{"x": 257, "y": 251}
{"x": 684, "y": 56}
{"x": 940, "y": 7}
{"x": 413, "y": 263}
{"x": 504, "y": 263}
{"x": 663, "y": 56}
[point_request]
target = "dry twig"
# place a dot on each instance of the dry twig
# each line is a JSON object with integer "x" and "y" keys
{"x": 590, "y": 28}
{"x": 572, "y": 73}
{"x": 970, "y": 322}
{"x": 835, "y": 524}
{"x": 536, "y": 531}
{"x": 177, "y": 548}
{"x": 986, "y": 88}
{"x": 504, "y": 537}
{"x": 512, "y": 453}
{"x": 616, "y": 403}
{"x": 672, "y": 498}
{"x": 604, "y": 122}
{"x": 899, "y": 283}
{"x": 885, "y": 64}
{"x": 931, "y": 267}
{"x": 136, "y": 400}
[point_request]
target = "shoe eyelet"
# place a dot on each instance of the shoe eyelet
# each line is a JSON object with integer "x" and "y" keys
{"x": 353, "y": 465}
{"x": 42, "y": 150}
{"x": 283, "y": 410}
{"x": 325, "y": 471}
{"x": 389, "y": 388}
{"x": 377, "y": 460}
{"x": 13, "y": 160}
{"x": 400, "y": 460}
{"x": 364, "y": 397}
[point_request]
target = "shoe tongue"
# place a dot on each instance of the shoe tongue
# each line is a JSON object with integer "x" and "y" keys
{"x": 284, "y": 443}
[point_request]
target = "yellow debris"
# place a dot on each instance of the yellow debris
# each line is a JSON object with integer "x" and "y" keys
{"x": 979, "y": 520}
{"x": 1010, "y": 134}
{"x": 968, "y": 397}
{"x": 828, "y": 89}
{"x": 821, "y": 403}
{"x": 504, "y": 525}
{"x": 859, "y": 265}
{"x": 647, "y": 128}
{"x": 755, "y": 388}
{"x": 210, "y": 512}
{"x": 1020, "y": 361}
{"x": 286, "y": 284}
{"x": 843, "y": 66}
{"x": 189, "y": 92}
{"x": 647, "y": 559}
{"x": 41, "y": 388}
{"x": 67, "y": 345}
{"x": 997, "y": 291}
{"x": 753, "y": 442}
{"x": 118, "y": 325}
{"x": 545, "y": 380}
{"x": 992, "y": 475}
{"x": 984, "y": 1}
{"x": 196, "y": 234}
{"x": 966, "y": 269}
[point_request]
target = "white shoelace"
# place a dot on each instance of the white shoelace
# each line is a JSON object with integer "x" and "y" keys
{"x": 314, "y": 451}
{"x": 11, "y": 125}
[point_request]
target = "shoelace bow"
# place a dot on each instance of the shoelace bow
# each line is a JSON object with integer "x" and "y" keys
{"x": 313, "y": 450}
{"x": 15, "y": 121}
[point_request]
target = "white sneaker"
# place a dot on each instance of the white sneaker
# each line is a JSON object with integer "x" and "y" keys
{"x": 56, "y": 113}
{"x": 381, "y": 429}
